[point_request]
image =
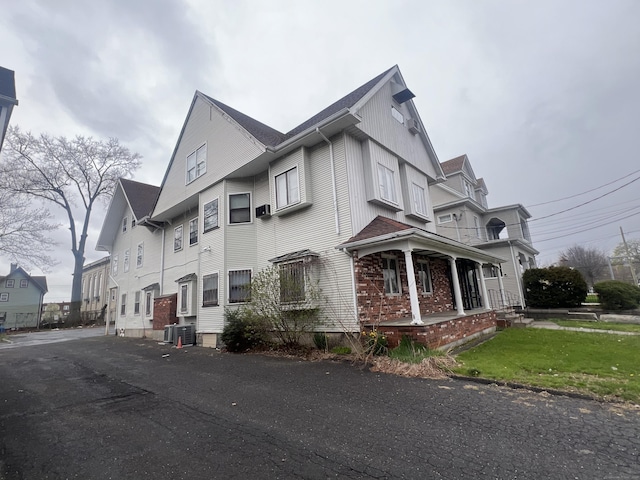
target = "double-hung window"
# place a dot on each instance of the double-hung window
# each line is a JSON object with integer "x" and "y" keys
{"x": 240, "y": 208}
{"x": 148, "y": 303}
{"x": 210, "y": 212}
{"x": 184, "y": 298}
{"x": 197, "y": 163}
{"x": 239, "y": 286}
{"x": 123, "y": 304}
{"x": 193, "y": 231}
{"x": 287, "y": 188}
{"x": 177, "y": 238}
{"x": 125, "y": 262}
{"x": 114, "y": 265}
{"x": 424, "y": 277}
{"x": 10, "y": 283}
{"x": 140, "y": 255}
{"x": 419, "y": 202}
{"x": 136, "y": 303}
{"x": 210, "y": 290}
{"x": 4, "y": 297}
{"x": 387, "y": 185}
{"x": 390, "y": 275}
{"x": 292, "y": 278}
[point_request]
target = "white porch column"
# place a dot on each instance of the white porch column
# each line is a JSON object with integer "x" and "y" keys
{"x": 416, "y": 318}
{"x": 501, "y": 286}
{"x": 456, "y": 285}
{"x": 483, "y": 285}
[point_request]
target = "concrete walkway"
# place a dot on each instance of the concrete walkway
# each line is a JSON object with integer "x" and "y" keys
{"x": 552, "y": 326}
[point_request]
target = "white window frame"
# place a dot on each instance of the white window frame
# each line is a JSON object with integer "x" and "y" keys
{"x": 178, "y": 238}
{"x": 208, "y": 223}
{"x": 397, "y": 115}
{"x": 287, "y": 188}
{"x": 469, "y": 190}
{"x": 126, "y": 261}
{"x": 24, "y": 283}
{"x": 125, "y": 224}
{"x": 148, "y": 303}
{"x": 193, "y": 229}
{"x": 446, "y": 218}
{"x": 184, "y": 297}
{"x": 4, "y": 297}
{"x": 10, "y": 283}
{"x": 386, "y": 266}
{"x": 123, "y": 305}
{"x": 196, "y": 164}
{"x": 237, "y": 194}
{"x": 140, "y": 255}
{"x": 247, "y": 297}
{"x": 419, "y": 199}
{"x": 424, "y": 276}
{"x": 211, "y": 302}
{"x": 136, "y": 302}
{"x": 114, "y": 265}
{"x": 387, "y": 184}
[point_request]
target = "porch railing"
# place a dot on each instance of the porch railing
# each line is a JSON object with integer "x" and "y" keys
{"x": 503, "y": 300}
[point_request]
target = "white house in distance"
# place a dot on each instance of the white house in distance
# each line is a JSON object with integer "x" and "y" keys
{"x": 342, "y": 198}
{"x": 462, "y": 213}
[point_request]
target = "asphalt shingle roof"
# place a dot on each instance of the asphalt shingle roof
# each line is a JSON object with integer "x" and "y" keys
{"x": 142, "y": 196}
{"x": 379, "y": 226}
{"x": 453, "y": 165}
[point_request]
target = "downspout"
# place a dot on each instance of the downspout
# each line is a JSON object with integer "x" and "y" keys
{"x": 333, "y": 180}
{"x": 353, "y": 287}
{"x": 517, "y": 274}
{"x": 162, "y": 264}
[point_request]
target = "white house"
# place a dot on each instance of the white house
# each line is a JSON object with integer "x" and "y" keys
{"x": 342, "y": 197}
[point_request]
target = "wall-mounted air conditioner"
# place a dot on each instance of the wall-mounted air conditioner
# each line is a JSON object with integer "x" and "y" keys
{"x": 263, "y": 211}
{"x": 413, "y": 125}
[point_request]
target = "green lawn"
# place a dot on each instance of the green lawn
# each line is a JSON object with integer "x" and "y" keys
{"x": 620, "y": 327}
{"x": 593, "y": 363}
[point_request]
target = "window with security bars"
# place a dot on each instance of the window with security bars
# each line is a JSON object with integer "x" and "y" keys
{"x": 239, "y": 286}
{"x": 292, "y": 278}
{"x": 210, "y": 290}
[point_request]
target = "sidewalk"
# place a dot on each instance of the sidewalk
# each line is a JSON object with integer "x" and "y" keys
{"x": 552, "y": 326}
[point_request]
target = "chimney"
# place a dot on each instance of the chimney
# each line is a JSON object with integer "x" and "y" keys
{"x": 14, "y": 266}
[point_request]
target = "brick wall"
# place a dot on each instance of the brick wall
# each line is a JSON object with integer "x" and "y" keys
{"x": 164, "y": 311}
{"x": 376, "y": 306}
{"x": 443, "y": 333}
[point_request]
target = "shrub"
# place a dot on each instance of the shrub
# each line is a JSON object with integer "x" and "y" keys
{"x": 375, "y": 343}
{"x": 320, "y": 340}
{"x": 241, "y": 332}
{"x": 341, "y": 350}
{"x": 554, "y": 287}
{"x": 409, "y": 351}
{"x": 616, "y": 295}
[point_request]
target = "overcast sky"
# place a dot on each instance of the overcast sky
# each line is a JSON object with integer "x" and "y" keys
{"x": 542, "y": 96}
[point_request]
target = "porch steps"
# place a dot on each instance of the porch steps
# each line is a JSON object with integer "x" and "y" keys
{"x": 509, "y": 318}
{"x": 522, "y": 322}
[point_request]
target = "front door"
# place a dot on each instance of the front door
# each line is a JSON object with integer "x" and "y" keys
{"x": 469, "y": 287}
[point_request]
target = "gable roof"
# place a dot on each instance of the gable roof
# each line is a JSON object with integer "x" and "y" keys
{"x": 39, "y": 281}
{"x": 141, "y": 196}
{"x": 454, "y": 165}
{"x": 379, "y": 226}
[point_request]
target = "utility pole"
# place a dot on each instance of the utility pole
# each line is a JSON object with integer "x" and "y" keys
{"x": 626, "y": 247}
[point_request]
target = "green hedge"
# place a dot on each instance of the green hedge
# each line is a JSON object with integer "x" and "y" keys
{"x": 616, "y": 295}
{"x": 554, "y": 287}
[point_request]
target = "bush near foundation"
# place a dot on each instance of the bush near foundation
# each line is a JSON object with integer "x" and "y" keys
{"x": 554, "y": 287}
{"x": 241, "y": 332}
{"x": 616, "y": 295}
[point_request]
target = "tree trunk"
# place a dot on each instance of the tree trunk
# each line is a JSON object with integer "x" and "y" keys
{"x": 76, "y": 288}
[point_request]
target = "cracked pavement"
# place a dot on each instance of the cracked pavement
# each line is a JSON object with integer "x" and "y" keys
{"x": 115, "y": 408}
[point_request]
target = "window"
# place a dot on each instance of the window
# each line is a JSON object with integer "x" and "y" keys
{"x": 287, "y": 188}
{"x": 125, "y": 262}
{"x": 193, "y": 231}
{"x": 387, "y": 184}
{"x": 240, "y": 208}
{"x": 445, "y": 218}
{"x": 136, "y": 303}
{"x": 114, "y": 265}
{"x": 113, "y": 295}
{"x": 490, "y": 271}
{"x": 292, "y": 282}
{"x": 125, "y": 222}
{"x": 133, "y": 222}
{"x": 197, "y": 163}
{"x": 419, "y": 202}
{"x": 211, "y": 215}
{"x": 177, "y": 238}
{"x": 390, "y": 275}
{"x": 476, "y": 224}
{"x": 140, "y": 255}
{"x": 210, "y": 290}
{"x": 395, "y": 113}
{"x": 3, "y": 317}
{"x": 424, "y": 277}
{"x": 123, "y": 304}
{"x": 10, "y": 283}
{"x": 4, "y": 297}
{"x": 148, "y": 303}
{"x": 184, "y": 297}
{"x": 24, "y": 283}
{"x": 468, "y": 188}
{"x": 239, "y": 286}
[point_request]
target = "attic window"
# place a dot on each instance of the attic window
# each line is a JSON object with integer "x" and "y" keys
{"x": 395, "y": 113}
{"x": 197, "y": 163}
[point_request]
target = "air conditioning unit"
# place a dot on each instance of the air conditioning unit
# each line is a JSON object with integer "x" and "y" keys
{"x": 170, "y": 334}
{"x": 413, "y": 125}
{"x": 263, "y": 211}
{"x": 187, "y": 333}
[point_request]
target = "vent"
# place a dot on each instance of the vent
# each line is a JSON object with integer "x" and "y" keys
{"x": 187, "y": 333}
{"x": 263, "y": 211}
{"x": 413, "y": 125}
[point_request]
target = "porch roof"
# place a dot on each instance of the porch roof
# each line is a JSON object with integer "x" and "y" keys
{"x": 384, "y": 233}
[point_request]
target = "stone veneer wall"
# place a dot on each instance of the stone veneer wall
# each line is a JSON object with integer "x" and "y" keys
{"x": 164, "y": 311}
{"x": 375, "y": 306}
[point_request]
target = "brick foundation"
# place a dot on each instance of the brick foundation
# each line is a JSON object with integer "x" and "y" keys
{"x": 164, "y": 311}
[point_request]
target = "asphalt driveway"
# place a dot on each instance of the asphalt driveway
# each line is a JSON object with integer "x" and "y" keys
{"x": 116, "y": 408}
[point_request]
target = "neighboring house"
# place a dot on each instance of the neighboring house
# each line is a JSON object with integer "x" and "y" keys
{"x": 95, "y": 290}
{"x": 54, "y": 313}
{"x": 21, "y": 298}
{"x": 462, "y": 213}
{"x": 343, "y": 198}
{"x": 7, "y": 100}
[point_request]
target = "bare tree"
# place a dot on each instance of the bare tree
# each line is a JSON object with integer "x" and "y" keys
{"x": 590, "y": 262}
{"x": 630, "y": 261}
{"x": 69, "y": 173}
{"x": 23, "y": 232}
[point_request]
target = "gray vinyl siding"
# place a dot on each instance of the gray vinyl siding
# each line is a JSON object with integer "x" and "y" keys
{"x": 378, "y": 123}
{"x": 441, "y": 196}
{"x": 511, "y": 273}
{"x": 228, "y": 147}
{"x": 22, "y": 309}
